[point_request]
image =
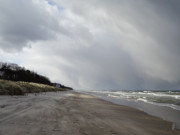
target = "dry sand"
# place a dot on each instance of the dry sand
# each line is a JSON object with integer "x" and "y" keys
{"x": 71, "y": 113}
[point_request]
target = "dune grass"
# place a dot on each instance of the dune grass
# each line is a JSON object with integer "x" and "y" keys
{"x": 22, "y": 88}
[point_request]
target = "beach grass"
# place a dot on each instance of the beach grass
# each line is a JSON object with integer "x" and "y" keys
{"x": 22, "y": 88}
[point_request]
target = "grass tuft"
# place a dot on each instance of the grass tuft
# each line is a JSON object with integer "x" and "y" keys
{"x": 21, "y": 88}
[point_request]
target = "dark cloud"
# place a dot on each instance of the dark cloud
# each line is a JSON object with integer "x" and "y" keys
{"x": 169, "y": 14}
{"x": 97, "y": 44}
{"x": 25, "y": 21}
{"x": 166, "y": 8}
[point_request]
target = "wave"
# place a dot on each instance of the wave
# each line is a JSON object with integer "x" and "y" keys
{"x": 167, "y": 98}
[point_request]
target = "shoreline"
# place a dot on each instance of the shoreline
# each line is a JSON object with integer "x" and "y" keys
{"x": 76, "y": 113}
{"x": 162, "y": 112}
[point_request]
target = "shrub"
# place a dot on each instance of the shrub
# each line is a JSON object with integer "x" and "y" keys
{"x": 21, "y": 88}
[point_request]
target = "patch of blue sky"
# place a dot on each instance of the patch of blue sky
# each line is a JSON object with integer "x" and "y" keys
{"x": 51, "y": 3}
{"x": 10, "y": 58}
{"x": 55, "y": 4}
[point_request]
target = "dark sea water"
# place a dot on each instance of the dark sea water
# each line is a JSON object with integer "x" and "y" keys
{"x": 163, "y": 104}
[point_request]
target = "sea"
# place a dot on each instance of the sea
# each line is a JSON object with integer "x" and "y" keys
{"x": 162, "y": 104}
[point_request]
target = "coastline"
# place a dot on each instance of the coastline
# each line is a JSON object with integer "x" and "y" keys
{"x": 75, "y": 113}
{"x": 164, "y": 112}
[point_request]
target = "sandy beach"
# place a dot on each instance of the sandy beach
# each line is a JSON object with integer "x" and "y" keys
{"x": 72, "y": 113}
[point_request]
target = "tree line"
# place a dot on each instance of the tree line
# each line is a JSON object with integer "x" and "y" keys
{"x": 17, "y": 73}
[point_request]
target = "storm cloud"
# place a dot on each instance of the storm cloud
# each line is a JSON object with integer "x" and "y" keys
{"x": 95, "y": 44}
{"x": 22, "y": 22}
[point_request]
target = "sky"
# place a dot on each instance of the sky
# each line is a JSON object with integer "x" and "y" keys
{"x": 95, "y": 44}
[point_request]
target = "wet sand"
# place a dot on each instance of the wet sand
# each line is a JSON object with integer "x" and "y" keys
{"x": 71, "y": 113}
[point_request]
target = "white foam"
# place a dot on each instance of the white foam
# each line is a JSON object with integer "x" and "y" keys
{"x": 142, "y": 99}
{"x": 145, "y": 96}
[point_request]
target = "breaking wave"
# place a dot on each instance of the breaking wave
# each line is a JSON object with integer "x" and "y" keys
{"x": 162, "y": 98}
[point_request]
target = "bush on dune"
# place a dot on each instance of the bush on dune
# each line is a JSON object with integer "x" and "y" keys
{"x": 10, "y": 88}
{"x": 21, "y": 88}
